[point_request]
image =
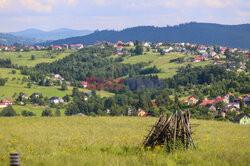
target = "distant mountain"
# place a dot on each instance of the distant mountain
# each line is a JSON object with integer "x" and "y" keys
{"x": 199, "y": 33}
{"x": 8, "y": 39}
{"x": 51, "y": 35}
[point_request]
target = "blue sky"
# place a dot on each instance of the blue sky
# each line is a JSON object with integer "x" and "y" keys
{"x": 18, "y": 15}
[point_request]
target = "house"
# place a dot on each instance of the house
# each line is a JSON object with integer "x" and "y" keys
{"x": 119, "y": 48}
{"x": 84, "y": 84}
{"x": 2, "y": 105}
{"x": 24, "y": 96}
{"x": 56, "y": 100}
{"x": 205, "y": 102}
{"x": 56, "y": 47}
{"x": 246, "y": 99}
{"x": 131, "y": 44}
{"x": 65, "y": 46}
{"x": 168, "y": 49}
{"x": 232, "y": 108}
{"x": 7, "y": 101}
{"x": 237, "y": 105}
{"x": 198, "y": 59}
{"x": 242, "y": 119}
{"x": 192, "y": 100}
{"x": 211, "y": 107}
{"x": 76, "y": 46}
{"x": 146, "y": 44}
{"x": 142, "y": 113}
{"x": 228, "y": 96}
{"x": 154, "y": 104}
{"x": 36, "y": 95}
{"x": 238, "y": 99}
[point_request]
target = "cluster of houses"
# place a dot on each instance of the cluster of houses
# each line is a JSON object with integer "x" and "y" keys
{"x": 230, "y": 105}
{"x": 5, "y": 102}
{"x": 50, "y": 47}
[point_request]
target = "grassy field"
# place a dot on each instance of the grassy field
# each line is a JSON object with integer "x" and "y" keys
{"x": 15, "y": 86}
{"x": 163, "y": 62}
{"x": 24, "y": 58}
{"x": 116, "y": 141}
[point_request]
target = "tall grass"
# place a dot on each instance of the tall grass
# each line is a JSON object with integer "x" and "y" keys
{"x": 116, "y": 141}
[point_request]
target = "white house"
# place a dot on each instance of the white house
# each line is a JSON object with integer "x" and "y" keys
{"x": 2, "y": 105}
{"x": 56, "y": 100}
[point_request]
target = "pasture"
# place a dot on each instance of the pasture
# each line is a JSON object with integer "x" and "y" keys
{"x": 116, "y": 141}
{"x": 24, "y": 58}
{"x": 15, "y": 85}
{"x": 162, "y": 62}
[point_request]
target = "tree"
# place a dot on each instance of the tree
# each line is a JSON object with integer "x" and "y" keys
{"x": 2, "y": 81}
{"x": 64, "y": 85}
{"x": 66, "y": 98}
{"x": 220, "y": 105}
{"x": 29, "y": 85}
{"x": 33, "y": 57}
{"x": 57, "y": 112}
{"x": 13, "y": 71}
{"x": 28, "y": 113}
{"x": 139, "y": 50}
{"x": 47, "y": 112}
{"x": 8, "y": 111}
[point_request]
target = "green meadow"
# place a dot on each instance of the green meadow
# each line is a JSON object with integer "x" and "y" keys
{"x": 116, "y": 141}
{"x": 24, "y": 58}
{"x": 163, "y": 62}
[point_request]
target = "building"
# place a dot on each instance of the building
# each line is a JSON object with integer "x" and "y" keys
{"x": 24, "y": 96}
{"x": 192, "y": 100}
{"x": 76, "y": 46}
{"x": 84, "y": 84}
{"x": 242, "y": 119}
{"x": 119, "y": 48}
{"x": 199, "y": 59}
{"x": 56, "y": 100}
{"x": 142, "y": 113}
{"x": 65, "y": 46}
{"x": 56, "y": 47}
{"x": 2, "y": 105}
{"x": 7, "y": 101}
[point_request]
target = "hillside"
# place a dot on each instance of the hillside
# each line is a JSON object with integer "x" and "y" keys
{"x": 51, "y": 35}
{"x": 199, "y": 33}
{"x": 8, "y": 39}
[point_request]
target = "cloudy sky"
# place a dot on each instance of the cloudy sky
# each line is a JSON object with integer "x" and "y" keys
{"x": 18, "y": 15}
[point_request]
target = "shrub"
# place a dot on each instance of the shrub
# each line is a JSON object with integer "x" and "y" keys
{"x": 57, "y": 112}
{"x": 28, "y": 113}
{"x": 47, "y": 112}
{"x": 8, "y": 111}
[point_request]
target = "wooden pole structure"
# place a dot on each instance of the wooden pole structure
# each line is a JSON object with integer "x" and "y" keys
{"x": 15, "y": 159}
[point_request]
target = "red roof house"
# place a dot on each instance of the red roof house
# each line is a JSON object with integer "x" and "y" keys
{"x": 7, "y": 101}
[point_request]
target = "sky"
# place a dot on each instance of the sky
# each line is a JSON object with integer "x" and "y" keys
{"x": 16, "y": 15}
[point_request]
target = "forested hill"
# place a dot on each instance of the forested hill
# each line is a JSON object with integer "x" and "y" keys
{"x": 199, "y": 33}
{"x": 8, "y": 39}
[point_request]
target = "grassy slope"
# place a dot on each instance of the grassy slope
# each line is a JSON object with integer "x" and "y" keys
{"x": 40, "y": 57}
{"x": 116, "y": 141}
{"x": 163, "y": 62}
{"x": 15, "y": 86}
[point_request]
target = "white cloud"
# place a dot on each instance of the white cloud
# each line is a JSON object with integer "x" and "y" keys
{"x": 36, "y": 6}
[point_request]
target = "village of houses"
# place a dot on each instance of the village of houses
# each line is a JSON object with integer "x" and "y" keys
{"x": 203, "y": 52}
{"x": 206, "y": 53}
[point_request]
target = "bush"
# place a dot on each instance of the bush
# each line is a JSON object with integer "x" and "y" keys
{"x": 47, "y": 112}
{"x": 57, "y": 112}
{"x": 13, "y": 71}
{"x": 8, "y": 111}
{"x": 28, "y": 113}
